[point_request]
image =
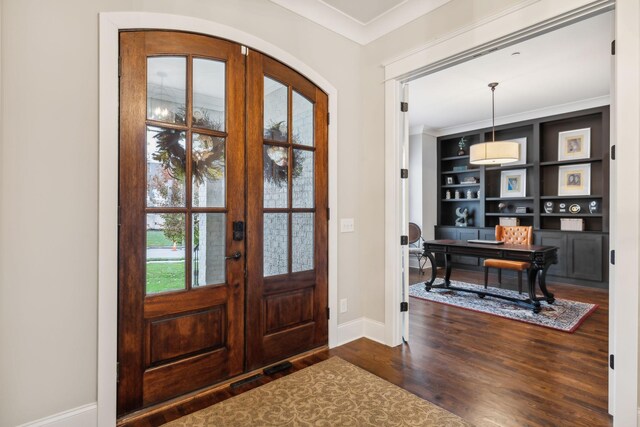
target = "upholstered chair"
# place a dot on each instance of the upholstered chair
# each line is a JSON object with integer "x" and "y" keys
{"x": 513, "y": 236}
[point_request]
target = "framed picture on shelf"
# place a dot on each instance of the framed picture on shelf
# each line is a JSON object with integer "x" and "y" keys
{"x": 522, "y": 159}
{"x": 513, "y": 183}
{"x": 574, "y": 144}
{"x": 574, "y": 180}
{"x": 450, "y": 180}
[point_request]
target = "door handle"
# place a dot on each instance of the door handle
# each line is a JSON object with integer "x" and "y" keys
{"x": 234, "y": 256}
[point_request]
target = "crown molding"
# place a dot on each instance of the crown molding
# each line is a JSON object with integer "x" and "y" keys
{"x": 349, "y": 27}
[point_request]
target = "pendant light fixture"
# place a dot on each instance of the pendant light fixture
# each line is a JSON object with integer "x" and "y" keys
{"x": 494, "y": 152}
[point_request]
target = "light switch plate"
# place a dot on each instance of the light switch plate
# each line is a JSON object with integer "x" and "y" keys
{"x": 347, "y": 225}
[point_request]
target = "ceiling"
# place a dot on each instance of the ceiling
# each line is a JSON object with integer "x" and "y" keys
{"x": 361, "y": 20}
{"x": 567, "y": 69}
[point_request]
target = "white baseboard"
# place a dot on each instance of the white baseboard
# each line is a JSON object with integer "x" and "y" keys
{"x": 359, "y": 328}
{"x": 374, "y": 330}
{"x": 350, "y": 331}
{"x": 82, "y": 416}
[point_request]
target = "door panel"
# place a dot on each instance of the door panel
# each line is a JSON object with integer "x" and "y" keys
{"x": 287, "y": 212}
{"x": 181, "y": 303}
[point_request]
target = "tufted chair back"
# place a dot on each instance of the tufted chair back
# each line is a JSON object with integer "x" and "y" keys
{"x": 520, "y": 235}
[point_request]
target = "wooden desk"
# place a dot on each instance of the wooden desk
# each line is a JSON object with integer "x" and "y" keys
{"x": 540, "y": 257}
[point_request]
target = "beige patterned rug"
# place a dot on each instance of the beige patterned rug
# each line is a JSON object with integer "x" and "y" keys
{"x": 329, "y": 393}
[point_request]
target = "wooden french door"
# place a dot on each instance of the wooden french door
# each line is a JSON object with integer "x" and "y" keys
{"x": 194, "y": 173}
{"x": 287, "y": 213}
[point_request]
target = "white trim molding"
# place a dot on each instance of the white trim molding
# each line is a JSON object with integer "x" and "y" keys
{"x": 362, "y": 327}
{"x": 82, "y": 416}
{"x": 110, "y": 24}
{"x": 360, "y": 32}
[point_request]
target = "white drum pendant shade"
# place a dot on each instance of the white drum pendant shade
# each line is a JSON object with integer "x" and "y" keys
{"x": 494, "y": 152}
{"x": 491, "y": 153}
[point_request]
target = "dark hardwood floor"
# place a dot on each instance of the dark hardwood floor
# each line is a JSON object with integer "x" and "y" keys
{"x": 489, "y": 370}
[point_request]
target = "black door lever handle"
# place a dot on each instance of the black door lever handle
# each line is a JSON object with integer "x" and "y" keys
{"x": 235, "y": 256}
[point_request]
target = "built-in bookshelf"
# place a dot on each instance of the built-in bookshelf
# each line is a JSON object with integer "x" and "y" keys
{"x": 478, "y": 189}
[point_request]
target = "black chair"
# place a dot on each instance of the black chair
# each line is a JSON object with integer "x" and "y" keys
{"x": 415, "y": 245}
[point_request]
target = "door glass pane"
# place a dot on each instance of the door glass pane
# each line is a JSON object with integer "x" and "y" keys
{"x": 208, "y": 94}
{"x": 208, "y": 170}
{"x": 302, "y": 120}
{"x": 165, "y": 252}
{"x": 302, "y": 242}
{"x": 166, "y": 159}
{"x": 302, "y": 174}
{"x": 276, "y": 171}
{"x": 275, "y": 110}
{"x": 276, "y": 243}
{"x": 209, "y": 246}
{"x": 167, "y": 88}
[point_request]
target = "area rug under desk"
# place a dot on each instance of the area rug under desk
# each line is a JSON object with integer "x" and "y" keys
{"x": 330, "y": 393}
{"x": 564, "y": 315}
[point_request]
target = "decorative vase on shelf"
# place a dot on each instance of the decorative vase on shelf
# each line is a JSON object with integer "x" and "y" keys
{"x": 469, "y": 194}
{"x": 548, "y": 207}
{"x": 461, "y": 146}
{"x": 457, "y": 194}
{"x": 447, "y": 195}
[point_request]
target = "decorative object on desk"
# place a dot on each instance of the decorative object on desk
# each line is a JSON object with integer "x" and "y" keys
{"x": 548, "y": 207}
{"x": 564, "y": 315}
{"x": 574, "y": 208}
{"x": 502, "y": 206}
{"x": 447, "y": 195}
{"x": 469, "y": 194}
{"x": 562, "y": 208}
{"x": 463, "y": 217}
{"x": 470, "y": 180}
{"x": 521, "y": 209}
{"x": 571, "y": 224}
{"x": 494, "y": 152}
{"x": 574, "y": 144}
{"x": 450, "y": 180}
{"x": 513, "y": 183}
{"x": 461, "y": 146}
{"x": 456, "y": 194}
{"x": 333, "y": 392}
{"x": 459, "y": 168}
{"x": 574, "y": 180}
{"x": 522, "y": 151}
{"x": 508, "y": 221}
{"x": 593, "y": 206}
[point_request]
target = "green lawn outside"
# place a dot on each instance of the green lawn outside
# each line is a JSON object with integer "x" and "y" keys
{"x": 165, "y": 276}
{"x": 157, "y": 239}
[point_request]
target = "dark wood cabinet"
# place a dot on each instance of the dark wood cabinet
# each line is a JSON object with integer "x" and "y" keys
{"x": 583, "y": 254}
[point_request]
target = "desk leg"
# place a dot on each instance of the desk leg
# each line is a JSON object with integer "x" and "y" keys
{"x": 432, "y": 259}
{"x": 543, "y": 284}
{"x": 447, "y": 269}
{"x": 531, "y": 282}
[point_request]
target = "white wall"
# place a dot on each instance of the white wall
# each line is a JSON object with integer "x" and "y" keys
{"x": 422, "y": 185}
{"x": 415, "y": 179}
{"x": 430, "y": 191}
{"x": 48, "y": 202}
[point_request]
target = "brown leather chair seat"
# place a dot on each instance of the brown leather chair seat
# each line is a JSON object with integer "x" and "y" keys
{"x": 515, "y": 236}
{"x": 503, "y": 263}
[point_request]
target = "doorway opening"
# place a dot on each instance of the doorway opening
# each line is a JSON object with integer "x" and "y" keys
{"x": 427, "y": 137}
